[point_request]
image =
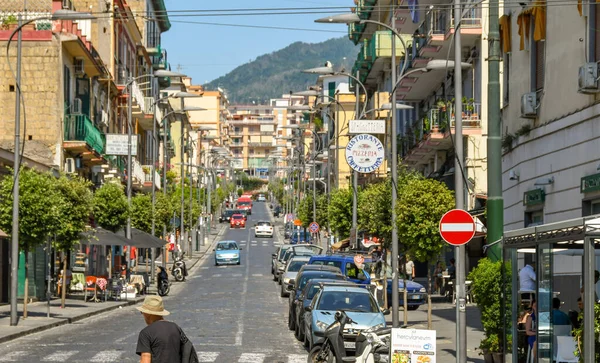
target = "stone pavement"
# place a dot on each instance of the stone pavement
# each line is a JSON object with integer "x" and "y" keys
{"x": 76, "y": 309}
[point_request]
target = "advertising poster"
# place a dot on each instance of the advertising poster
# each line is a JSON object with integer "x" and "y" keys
{"x": 413, "y": 346}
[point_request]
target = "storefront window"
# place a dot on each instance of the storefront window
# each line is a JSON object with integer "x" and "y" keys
{"x": 544, "y": 304}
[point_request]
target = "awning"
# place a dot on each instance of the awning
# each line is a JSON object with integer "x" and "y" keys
{"x": 538, "y": 11}
{"x": 505, "y": 38}
{"x": 142, "y": 239}
{"x": 102, "y": 237}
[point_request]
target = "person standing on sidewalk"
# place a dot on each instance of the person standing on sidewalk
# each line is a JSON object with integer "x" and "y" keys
{"x": 409, "y": 268}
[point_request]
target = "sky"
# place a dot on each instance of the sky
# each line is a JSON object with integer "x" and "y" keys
{"x": 208, "y": 51}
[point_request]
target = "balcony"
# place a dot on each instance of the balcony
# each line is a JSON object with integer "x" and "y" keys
{"x": 148, "y": 179}
{"x": 366, "y": 9}
{"x": 254, "y": 121}
{"x": 238, "y": 144}
{"x": 471, "y": 117}
{"x": 81, "y": 136}
{"x": 260, "y": 144}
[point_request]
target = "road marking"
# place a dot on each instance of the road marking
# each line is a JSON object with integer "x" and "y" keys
{"x": 216, "y": 275}
{"x": 204, "y": 267}
{"x": 207, "y": 356}
{"x": 13, "y": 357}
{"x": 240, "y": 331}
{"x": 107, "y": 356}
{"x": 122, "y": 339}
{"x": 257, "y": 275}
{"x": 60, "y": 356}
{"x": 297, "y": 358}
{"x": 236, "y": 275}
{"x": 251, "y": 358}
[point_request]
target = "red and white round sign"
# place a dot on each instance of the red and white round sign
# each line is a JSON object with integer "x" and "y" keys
{"x": 457, "y": 227}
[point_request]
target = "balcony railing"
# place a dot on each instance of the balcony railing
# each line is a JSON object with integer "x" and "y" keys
{"x": 137, "y": 172}
{"x": 148, "y": 178}
{"x": 471, "y": 115}
{"x": 148, "y": 105}
{"x": 81, "y": 128}
{"x": 260, "y": 144}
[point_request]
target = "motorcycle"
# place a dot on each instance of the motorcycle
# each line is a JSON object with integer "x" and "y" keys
{"x": 179, "y": 270}
{"x": 371, "y": 346}
{"x": 163, "y": 282}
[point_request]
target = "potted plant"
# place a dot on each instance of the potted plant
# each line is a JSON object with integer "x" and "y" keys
{"x": 492, "y": 299}
{"x": 9, "y": 22}
{"x": 146, "y": 169}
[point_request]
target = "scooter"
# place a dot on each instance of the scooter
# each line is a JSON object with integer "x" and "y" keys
{"x": 163, "y": 282}
{"x": 371, "y": 346}
{"x": 179, "y": 270}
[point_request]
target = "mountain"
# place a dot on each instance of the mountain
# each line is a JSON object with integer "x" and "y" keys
{"x": 274, "y": 74}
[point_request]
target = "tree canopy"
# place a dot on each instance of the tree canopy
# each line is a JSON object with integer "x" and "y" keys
{"x": 340, "y": 212}
{"x": 110, "y": 207}
{"x": 76, "y": 208}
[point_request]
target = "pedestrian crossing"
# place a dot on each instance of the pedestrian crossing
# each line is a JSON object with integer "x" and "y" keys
{"x": 110, "y": 356}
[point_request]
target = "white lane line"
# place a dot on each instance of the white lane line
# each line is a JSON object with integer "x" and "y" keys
{"x": 207, "y": 356}
{"x": 297, "y": 358}
{"x": 216, "y": 275}
{"x": 204, "y": 267}
{"x": 240, "y": 330}
{"x": 257, "y": 275}
{"x": 60, "y": 356}
{"x": 107, "y": 356}
{"x": 251, "y": 358}
{"x": 122, "y": 339}
{"x": 13, "y": 356}
{"x": 236, "y": 275}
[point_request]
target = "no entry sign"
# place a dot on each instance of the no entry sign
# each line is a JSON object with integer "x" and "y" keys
{"x": 457, "y": 227}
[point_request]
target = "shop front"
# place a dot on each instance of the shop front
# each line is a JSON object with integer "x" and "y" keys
{"x": 551, "y": 271}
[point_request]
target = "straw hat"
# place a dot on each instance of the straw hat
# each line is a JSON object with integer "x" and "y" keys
{"x": 153, "y": 305}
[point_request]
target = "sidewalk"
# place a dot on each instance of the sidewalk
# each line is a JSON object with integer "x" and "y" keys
{"x": 443, "y": 317}
{"x": 76, "y": 309}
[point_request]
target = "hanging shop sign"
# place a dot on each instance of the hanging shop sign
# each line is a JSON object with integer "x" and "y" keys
{"x": 117, "y": 144}
{"x": 365, "y": 153}
{"x": 367, "y": 127}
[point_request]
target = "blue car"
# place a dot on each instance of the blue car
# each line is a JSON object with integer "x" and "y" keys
{"x": 300, "y": 237}
{"x": 417, "y": 294}
{"x": 227, "y": 253}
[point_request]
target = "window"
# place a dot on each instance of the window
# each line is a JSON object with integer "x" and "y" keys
{"x": 596, "y": 10}
{"x": 331, "y": 89}
{"x": 534, "y": 218}
{"x": 590, "y": 207}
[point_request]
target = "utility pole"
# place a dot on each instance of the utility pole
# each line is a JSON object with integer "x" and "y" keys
{"x": 182, "y": 177}
{"x": 394, "y": 170}
{"x": 14, "y": 252}
{"x": 355, "y": 173}
{"x": 495, "y": 201}
{"x": 153, "y": 171}
{"x": 164, "y": 186}
{"x": 461, "y": 315}
{"x": 129, "y": 161}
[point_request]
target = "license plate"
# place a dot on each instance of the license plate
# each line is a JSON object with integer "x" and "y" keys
{"x": 350, "y": 345}
{"x": 415, "y": 297}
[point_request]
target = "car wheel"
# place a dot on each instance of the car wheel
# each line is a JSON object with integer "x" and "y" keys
{"x": 282, "y": 293}
{"x": 291, "y": 325}
{"x": 238, "y": 263}
{"x": 306, "y": 342}
{"x": 300, "y": 328}
{"x": 414, "y": 307}
{"x": 275, "y": 276}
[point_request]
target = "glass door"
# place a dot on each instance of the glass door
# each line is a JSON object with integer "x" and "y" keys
{"x": 544, "y": 303}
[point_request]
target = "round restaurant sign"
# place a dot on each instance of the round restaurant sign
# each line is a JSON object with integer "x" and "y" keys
{"x": 365, "y": 153}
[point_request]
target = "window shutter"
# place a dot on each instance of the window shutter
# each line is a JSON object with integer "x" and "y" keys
{"x": 540, "y": 61}
{"x": 596, "y": 26}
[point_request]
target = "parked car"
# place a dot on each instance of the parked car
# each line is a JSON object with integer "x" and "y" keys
{"x": 288, "y": 229}
{"x": 227, "y": 253}
{"x": 277, "y": 211}
{"x": 417, "y": 293}
{"x": 261, "y": 198}
{"x": 263, "y": 229}
{"x": 226, "y": 215}
{"x": 277, "y": 256}
{"x": 237, "y": 221}
{"x": 299, "y": 236}
{"x": 356, "y": 301}
{"x": 303, "y": 300}
{"x": 346, "y": 264}
{"x": 294, "y": 250}
{"x": 291, "y": 270}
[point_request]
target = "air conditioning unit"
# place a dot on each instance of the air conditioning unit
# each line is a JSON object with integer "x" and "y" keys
{"x": 77, "y": 107}
{"x": 78, "y": 66}
{"x": 588, "y": 78}
{"x": 70, "y": 166}
{"x": 529, "y": 105}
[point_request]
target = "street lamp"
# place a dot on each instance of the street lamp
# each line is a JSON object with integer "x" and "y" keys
{"x": 61, "y": 14}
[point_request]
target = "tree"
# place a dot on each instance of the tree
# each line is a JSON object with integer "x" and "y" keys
{"x": 40, "y": 208}
{"x": 76, "y": 207}
{"x": 374, "y": 210}
{"x": 421, "y": 204}
{"x": 110, "y": 207}
{"x": 141, "y": 212}
{"x": 163, "y": 212}
{"x": 176, "y": 202}
{"x": 340, "y": 212}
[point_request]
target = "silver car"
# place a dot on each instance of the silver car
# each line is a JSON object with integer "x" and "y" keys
{"x": 276, "y": 256}
{"x": 291, "y": 271}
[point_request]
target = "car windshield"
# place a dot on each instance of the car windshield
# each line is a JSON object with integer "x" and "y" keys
{"x": 238, "y": 217}
{"x": 227, "y": 246}
{"x": 337, "y": 264}
{"x": 305, "y": 278}
{"x": 294, "y": 266}
{"x": 348, "y": 301}
{"x": 288, "y": 254}
{"x": 312, "y": 291}
{"x": 228, "y": 213}
{"x": 282, "y": 252}
{"x": 244, "y": 203}
{"x": 267, "y": 224}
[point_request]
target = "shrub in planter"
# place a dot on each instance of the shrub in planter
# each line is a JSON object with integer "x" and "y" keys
{"x": 488, "y": 291}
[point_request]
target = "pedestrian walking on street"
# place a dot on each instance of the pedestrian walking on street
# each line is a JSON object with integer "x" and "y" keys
{"x": 162, "y": 341}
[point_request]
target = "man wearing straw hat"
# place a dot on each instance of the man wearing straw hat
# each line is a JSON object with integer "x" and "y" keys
{"x": 160, "y": 341}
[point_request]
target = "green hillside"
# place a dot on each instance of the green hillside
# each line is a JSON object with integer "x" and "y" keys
{"x": 271, "y": 75}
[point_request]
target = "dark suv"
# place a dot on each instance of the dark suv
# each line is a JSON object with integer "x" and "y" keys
{"x": 226, "y": 215}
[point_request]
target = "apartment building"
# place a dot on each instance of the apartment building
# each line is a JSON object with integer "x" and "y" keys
{"x": 77, "y": 79}
{"x": 550, "y": 164}
{"x": 426, "y": 132}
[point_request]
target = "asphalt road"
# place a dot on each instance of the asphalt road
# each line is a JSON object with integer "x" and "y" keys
{"x": 231, "y": 314}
